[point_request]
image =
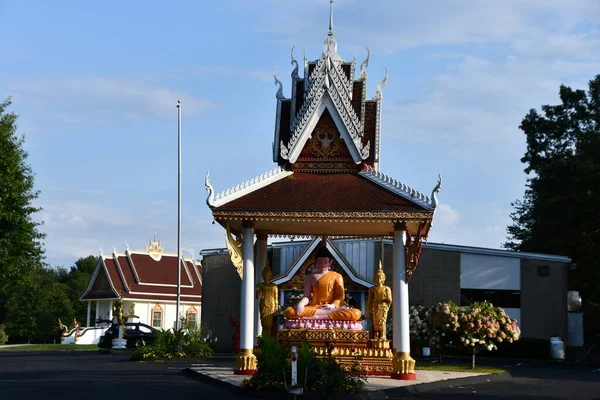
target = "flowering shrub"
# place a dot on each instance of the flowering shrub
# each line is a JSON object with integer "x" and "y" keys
{"x": 477, "y": 327}
{"x": 483, "y": 326}
{"x": 418, "y": 325}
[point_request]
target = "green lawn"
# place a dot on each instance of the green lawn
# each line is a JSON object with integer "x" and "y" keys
{"x": 457, "y": 368}
{"x": 52, "y": 347}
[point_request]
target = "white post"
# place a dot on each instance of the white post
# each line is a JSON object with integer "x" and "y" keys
{"x": 246, "y": 360}
{"x": 97, "y": 310}
{"x": 403, "y": 364}
{"x": 294, "y": 365}
{"x": 261, "y": 261}
{"x": 179, "y": 261}
{"x": 400, "y": 304}
{"x": 89, "y": 311}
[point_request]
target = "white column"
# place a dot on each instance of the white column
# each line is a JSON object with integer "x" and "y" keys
{"x": 88, "y": 313}
{"x": 97, "y": 310}
{"x": 247, "y": 298}
{"x": 400, "y": 308}
{"x": 261, "y": 261}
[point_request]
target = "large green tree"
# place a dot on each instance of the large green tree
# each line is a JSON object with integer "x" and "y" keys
{"x": 560, "y": 211}
{"x": 21, "y": 250}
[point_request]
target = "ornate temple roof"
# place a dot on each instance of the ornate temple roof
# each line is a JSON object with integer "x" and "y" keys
{"x": 326, "y": 145}
{"x": 149, "y": 274}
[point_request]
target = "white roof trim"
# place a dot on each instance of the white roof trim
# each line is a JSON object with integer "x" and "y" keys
{"x": 327, "y": 78}
{"x": 120, "y": 271}
{"x": 250, "y": 186}
{"x": 99, "y": 265}
{"x": 496, "y": 252}
{"x": 397, "y": 187}
{"x": 338, "y": 257}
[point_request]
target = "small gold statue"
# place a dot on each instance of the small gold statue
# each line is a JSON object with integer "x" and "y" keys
{"x": 63, "y": 328}
{"x": 269, "y": 301}
{"x": 378, "y": 304}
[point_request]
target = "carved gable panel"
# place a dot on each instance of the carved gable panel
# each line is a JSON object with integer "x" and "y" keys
{"x": 101, "y": 287}
{"x": 325, "y": 150}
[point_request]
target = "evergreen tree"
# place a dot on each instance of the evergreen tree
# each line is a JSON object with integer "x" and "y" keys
{"x": 21, "y": 250}
{"x": 560, "y": 211}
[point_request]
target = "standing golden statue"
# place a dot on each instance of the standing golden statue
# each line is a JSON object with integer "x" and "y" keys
{"x": 378, "y": 304}
{"x": 268, "y": 303}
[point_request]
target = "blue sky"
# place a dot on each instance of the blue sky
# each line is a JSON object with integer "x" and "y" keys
{"x": 96, "y": 85}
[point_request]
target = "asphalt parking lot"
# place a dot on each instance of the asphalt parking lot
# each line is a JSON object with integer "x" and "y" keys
{"x": 93, "y": 375}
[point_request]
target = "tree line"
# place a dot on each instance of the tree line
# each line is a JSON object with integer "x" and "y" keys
{"x": 32, "y": 295}
{"x": 558, "y": 214}
{"x": 560, "y": 209}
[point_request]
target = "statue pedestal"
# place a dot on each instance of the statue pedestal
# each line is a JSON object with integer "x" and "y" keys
{"x": 348, "y": 346}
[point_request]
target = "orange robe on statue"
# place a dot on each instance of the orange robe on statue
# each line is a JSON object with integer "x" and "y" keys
{"x": 329, "y": 289}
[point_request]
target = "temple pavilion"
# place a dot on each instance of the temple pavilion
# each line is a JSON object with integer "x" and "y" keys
{"x": 327, "y": 183}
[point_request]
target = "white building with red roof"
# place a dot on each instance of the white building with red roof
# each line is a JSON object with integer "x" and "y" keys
{"x": 147, "y": 280}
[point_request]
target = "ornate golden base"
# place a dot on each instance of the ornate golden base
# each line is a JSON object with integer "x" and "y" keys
{"x": 323, "y": 337}
{"x": 404, "y": 366}
{"x": 245, "y": 363}
{"x": 348, "y": 347}
{"x": 379, "y": 343}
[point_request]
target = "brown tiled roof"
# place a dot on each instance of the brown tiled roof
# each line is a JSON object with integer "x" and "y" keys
{"x": 357, "y": 97}
{"x": 153, "y": 276}
{"x": 299, "y": 95}
{"x": 322, "y": 192}
{"x": 347, "y": 70}
{"x": 370, "y": 127}
{"x": 284, "y": 128}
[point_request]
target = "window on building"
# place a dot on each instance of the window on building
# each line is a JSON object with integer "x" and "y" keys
{"x": 157, "y": 316}
{"x": 156, "y": 319}
{"x": 192, "y": 318}
{"x": 191, "y": 315}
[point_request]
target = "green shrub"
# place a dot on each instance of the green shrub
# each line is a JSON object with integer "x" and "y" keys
{"x": 325, "y": 376}
{"x": 271, "y": 364}
{"x": 189, "y": 341}
{"x": 3, "y": 335}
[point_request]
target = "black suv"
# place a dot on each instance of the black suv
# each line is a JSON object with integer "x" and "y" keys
{"x": 136, "y": 334}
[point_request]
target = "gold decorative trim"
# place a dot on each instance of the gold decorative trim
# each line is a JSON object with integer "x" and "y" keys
{"x": 245, "y": 361}
{"x": 413, "y": 250}
{"x": 403, "y": 363}
{"x": 326, "y": 216}
{"x": 234, "y": 246}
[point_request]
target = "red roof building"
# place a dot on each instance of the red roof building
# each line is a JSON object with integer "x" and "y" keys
{"x": 146, "y": 282}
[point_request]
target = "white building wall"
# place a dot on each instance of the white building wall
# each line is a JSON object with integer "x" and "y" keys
{"x": 143, "y": 309}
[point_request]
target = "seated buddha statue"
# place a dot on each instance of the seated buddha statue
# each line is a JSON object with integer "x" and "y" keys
{"x": 323, "y": 294}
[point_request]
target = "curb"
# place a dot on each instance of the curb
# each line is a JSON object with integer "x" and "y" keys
{"x": 428, "y": 387}
{"x": 366, "y": 395}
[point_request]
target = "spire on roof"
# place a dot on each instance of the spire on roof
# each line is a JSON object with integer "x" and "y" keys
{"x": 330, "y": 48}
{"x": 155, "y": 246}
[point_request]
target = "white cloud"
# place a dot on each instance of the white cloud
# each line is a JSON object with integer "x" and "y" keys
{"x": 446, "y": 215}
{"x": 123, "y": 96}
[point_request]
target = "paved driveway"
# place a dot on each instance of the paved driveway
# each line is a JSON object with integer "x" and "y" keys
{"x": 87, "y": 375}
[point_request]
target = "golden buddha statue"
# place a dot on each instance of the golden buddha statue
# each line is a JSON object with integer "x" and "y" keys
{"x": 268, "y": 302}
{"x": 378, "y": 304}
{"x": 324, "y": 290}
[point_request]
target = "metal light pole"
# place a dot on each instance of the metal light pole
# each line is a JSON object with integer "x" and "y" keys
{"x": 178, "y": 213}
